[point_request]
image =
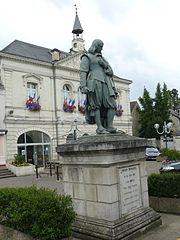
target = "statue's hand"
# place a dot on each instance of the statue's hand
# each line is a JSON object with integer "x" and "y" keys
{"x": 102, "y": 63}
{"x": 84, "y": 90}
{"x": 109, "y": 72}
{"x": 116, "y": 93}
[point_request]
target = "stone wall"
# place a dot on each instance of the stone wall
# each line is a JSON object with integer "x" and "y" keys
{"x": 164, "y": 204}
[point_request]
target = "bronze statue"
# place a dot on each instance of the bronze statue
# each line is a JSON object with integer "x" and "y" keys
{"x": 96, "y": 81}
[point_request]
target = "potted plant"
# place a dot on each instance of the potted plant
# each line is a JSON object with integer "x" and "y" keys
{"x": 33, "y": 105}
{"x": 20, "y": 167}
{"x": 69, "y": 106}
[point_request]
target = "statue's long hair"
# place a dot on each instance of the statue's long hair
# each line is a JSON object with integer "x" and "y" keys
{"x": 94, "y": 45}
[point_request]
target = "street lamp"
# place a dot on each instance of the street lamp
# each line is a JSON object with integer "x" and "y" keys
{"x": 166, "y": 129}
{"x": 74, "y": 126}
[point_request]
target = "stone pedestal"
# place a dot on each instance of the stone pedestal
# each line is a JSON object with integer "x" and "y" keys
{"x": 106, "y": 177}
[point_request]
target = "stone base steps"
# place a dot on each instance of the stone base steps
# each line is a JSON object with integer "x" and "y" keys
{"x": 5, "y": 173}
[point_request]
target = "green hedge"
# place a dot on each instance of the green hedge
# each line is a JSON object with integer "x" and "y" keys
{"x": 164, "y": 185}
{"x": 41, "y": 213}
{"x": 171, "y": 154}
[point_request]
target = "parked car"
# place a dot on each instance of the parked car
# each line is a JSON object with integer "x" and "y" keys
{"x": 171, "y": 167}
{"x": 151, "y": 153}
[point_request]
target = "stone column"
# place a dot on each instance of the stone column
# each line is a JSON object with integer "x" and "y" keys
{"x": 106, "y": 177}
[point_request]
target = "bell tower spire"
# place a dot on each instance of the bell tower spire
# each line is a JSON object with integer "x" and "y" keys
{"x": 77, "y": 42}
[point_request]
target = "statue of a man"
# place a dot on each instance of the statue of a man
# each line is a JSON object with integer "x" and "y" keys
{"x": 96, "y": 81}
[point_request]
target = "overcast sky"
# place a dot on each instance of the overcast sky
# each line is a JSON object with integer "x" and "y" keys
{"x": 141, "y": 37}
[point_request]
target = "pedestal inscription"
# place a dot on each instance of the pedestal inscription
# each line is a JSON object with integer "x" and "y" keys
{"x": 130, "y": 193}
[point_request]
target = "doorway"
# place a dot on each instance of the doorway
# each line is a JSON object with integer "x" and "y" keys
{"x": 35, "y": 146}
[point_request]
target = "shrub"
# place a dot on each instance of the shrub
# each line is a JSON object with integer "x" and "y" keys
{"x": 41, "y": 213}
{"x": 171, "y": 154}
{"x": 20, "y": 160}
{"x": 164, "y": 185}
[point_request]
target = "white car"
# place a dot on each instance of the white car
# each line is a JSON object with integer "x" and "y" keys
{"x": 151, "y": 153}
{"x": 171, "y": 167}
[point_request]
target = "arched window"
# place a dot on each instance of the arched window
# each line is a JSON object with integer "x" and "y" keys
{"x": 67, "y": 90}
{"x": 81, "y": 101}
{"x": 35, "y": 146}
{"x": 69, "y": 100}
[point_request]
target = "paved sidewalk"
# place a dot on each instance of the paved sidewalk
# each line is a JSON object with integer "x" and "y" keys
{"x": 169, "y": 230}
{"x": 25, "y": 181}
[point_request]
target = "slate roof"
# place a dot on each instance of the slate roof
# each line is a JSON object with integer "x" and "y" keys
{"x": 27, "y": 50}
{"x": 175, "y": 114}
{"x": 77, "y": 28}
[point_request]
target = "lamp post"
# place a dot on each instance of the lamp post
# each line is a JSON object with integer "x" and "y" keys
{"x": 166, "y": 129}
{"x": 74, "y": 125}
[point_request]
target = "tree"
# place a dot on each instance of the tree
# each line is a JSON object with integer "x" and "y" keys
{"x": 162, "y": 104}
{"x": 154, "y": 110}
{"x": 174, "y": 98}
{"x": 166, "y": 103}
{"x": 146, "y": 118}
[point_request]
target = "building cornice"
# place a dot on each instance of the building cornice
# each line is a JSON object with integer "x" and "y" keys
{"x": 24, "y": 59}
{"x": 123, "y": 80}
{"x": 35, "y": 62}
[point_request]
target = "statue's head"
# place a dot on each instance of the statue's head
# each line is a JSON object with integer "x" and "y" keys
{"x": 96, "y": 46}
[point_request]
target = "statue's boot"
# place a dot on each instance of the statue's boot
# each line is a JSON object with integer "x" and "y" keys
{"x": 110, "y": 118}
{"x": 111, "y": 130}
{"x": 100, "y": 129}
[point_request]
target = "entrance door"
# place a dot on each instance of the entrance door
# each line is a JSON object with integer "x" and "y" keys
{"x": 35, "y": 145}
{"x": 30, "y": 152}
